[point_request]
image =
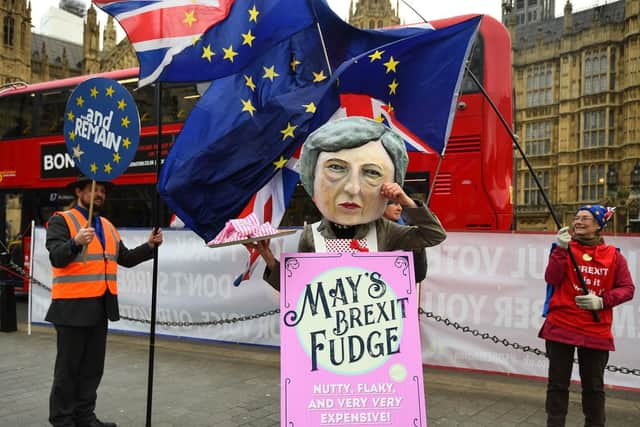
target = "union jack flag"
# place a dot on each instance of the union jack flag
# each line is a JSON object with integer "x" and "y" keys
{"x": 160, "y": 29}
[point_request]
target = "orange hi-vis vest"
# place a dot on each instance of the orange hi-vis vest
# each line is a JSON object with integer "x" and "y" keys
{"x": 88, "y": 279}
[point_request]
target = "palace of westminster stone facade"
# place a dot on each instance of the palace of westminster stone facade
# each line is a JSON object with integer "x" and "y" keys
{"x": 576, "y": 82}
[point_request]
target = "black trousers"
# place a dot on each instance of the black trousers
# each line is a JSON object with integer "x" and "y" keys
{"x": 592, "y": 364}
{"x": 78, "y": 371}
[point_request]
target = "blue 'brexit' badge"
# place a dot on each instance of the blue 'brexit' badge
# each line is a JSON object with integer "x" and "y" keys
{"x": 101, "y": 128}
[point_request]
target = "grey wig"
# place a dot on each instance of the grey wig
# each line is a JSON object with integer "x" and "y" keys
{"x": 350, "y": 132}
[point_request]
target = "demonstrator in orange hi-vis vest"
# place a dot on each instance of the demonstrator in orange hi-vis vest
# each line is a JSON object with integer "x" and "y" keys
{"x": 84, "y": 297}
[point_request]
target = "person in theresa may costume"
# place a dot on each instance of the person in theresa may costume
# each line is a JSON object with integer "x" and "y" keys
{"x": 351, "y": 168}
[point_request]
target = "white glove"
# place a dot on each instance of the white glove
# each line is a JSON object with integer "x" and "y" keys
{"x": 563, "y": 237}
{"x": 589, "y": 302}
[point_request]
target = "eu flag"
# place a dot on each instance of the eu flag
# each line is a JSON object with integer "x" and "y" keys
{"x": 249, "y": 122}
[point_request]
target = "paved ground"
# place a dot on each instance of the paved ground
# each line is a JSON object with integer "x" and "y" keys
{"x": 228, "y": 385}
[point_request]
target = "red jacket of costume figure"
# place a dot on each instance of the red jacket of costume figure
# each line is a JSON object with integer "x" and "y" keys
{"x": 606, "y": 274}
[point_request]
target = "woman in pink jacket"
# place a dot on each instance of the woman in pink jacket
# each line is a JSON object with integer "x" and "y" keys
{"x": 570, "y": 322}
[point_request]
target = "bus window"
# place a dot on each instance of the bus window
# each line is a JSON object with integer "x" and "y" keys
{"x": 177, "y": 102}
{"x": 144, "y": 100}
{"x": 51, "y": 117}
{"x": 475, "y": 64}
{"x": 416, "y": 185}
{"x": 16, "y": 112}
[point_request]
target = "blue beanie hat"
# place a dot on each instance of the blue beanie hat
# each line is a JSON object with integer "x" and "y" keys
{"x": 601, "y": 214}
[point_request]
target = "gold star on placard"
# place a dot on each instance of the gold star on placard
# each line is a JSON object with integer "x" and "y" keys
{"x": 195, "y": 39}
{"x": 253, "y": 14}
{"x": 248, "y": 38}
{"x": 318, "y": 77}
{"x": 309, "y": 108}
{"x": 270, "y": 73}
{"x": 94, "y": 92}
{"x": 288, "y": 132}
{"x": 107, "y": 168}
{"x": 126, "y": 142}
{"x": 376, "y": 55}
{"x": 379, "y": 119}
{"x": 207, "y": 53}
{"x": 248, "y": 106}
{"x": 248, "y": 81}
{"x": 189, "y": 18}
{"x": 109, "y": 91}
{"x": 72, "y": 135}
{"x": 70, "y": 116}
{"x": 125, "y": 122}
{"x": 116, "y": 157}
{"x": 79, "y": 101}
{"x": 391, "y": 65}
{"x": 390, "y": 108}
{"x": 77, "y": 152}
{"x": 122, "y": 105}
{"x": 280, "y": 163}
{"x": 229, "y": 53}
{"x": 392, "y": 87}
{"x": 294, "y": 64}
{"x": 94, "y": 168}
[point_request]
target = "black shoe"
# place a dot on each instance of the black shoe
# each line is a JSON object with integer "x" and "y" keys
{"x": 98, "y": 423}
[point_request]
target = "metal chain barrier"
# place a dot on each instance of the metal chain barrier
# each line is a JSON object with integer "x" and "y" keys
{"x": 429, "y": 315}
{"x": 516, "y": 346}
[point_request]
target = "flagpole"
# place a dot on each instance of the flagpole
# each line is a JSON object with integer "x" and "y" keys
{"x": 156, "y": 226}
{"x": 516, "y": 143}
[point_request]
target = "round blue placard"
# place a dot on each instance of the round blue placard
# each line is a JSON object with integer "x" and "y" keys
{"x": 101, "y": 128}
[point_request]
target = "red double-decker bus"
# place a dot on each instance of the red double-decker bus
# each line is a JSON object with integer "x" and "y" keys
{"x": 472, "y": 188}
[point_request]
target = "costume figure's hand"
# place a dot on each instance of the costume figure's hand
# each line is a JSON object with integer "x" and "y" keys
{"x": 264, "y": 250}
{"x": 155, "y": 238}
{"x": 563, "y": 237}
{"x": 589, "y": 302}
{"x": 393, "y": 191}
{"x": 85, "y": 236}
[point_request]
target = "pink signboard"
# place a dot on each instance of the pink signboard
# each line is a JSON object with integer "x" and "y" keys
{"x": 350, "y": 344}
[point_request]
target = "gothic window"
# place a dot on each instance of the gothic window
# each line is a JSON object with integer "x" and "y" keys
{"x": 532, "y": 196}
{"x": 380, "y": 23}
{"x": 592, "y": 183}
{"x": 372, "y": 24}
{"x": 595, "y": 128}
{"x": 8, "y": 30}
{"x": 538, "y": 138}
{"x": 539, "y": 85}
{"x": 596, "y": 64}
{"x": 23, "y": 35}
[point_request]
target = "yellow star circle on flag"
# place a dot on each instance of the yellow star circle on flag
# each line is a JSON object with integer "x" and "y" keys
{"x": 70, "y": 116}
{"x": 279, "y": 164}
{"x": 318, "y": 77}
{"x": 122, "y": 105}
{"x": 248, "y": 106}
{"x": 309, "y": 108}
{"x": 248, "y": 38}
{"x": 207, "y": 53}
{"x": 125, "y": 122}
{"x": 107, "y": 168}
{"x": 79, "y": 101}
{"x": 288, "y": 132}
{"x": 116, "y": 157}
{"x": 229, "y": 53}
{"x": 391, "y": 65}
{"x": 94, "y": 168}
{"x": 376, "y": 55}
{"x": 126, "y": 142}
{"x": 94, "y": 92}
{"x": 189, "y": 18}
{"x": 270, "y": 73}
{"x": 109, "y": 91}
{"x": 253, "y": 14}
{"x": 249, "y": 82}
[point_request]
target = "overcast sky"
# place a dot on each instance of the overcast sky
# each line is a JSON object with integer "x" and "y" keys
{"x": 429, "y": 9}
